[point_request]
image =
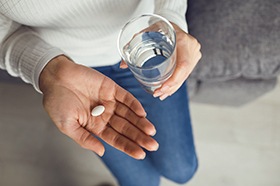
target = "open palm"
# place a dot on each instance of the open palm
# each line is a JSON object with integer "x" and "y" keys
{"x": 75, "y": 90}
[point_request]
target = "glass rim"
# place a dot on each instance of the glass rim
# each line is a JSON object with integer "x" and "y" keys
{"x": 133, "y": 20}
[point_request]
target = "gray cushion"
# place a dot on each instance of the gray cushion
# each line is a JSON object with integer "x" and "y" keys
{"x": 235, "y": 92}
{"x": 240, "y": 41}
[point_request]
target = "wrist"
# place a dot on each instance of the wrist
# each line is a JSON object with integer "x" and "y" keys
{"x": 54, "y": 72}
{"x": 178, "y": 29}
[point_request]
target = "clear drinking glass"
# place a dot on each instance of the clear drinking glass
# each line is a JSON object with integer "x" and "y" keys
{"x": 148, "y": 45}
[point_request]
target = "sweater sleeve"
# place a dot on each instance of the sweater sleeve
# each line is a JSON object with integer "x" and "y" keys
{"x": 174, "y": 11}
{"x": 22, "y": 52}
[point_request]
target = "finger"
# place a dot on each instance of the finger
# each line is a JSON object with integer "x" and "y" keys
{"x": 140, "y": 122}
{"x": 86, "y": 140}
{"x": 133, "y": 133}
{"x": 123, "y": 64}
{"x": 130, "y": 101}
{"x": 176, "y": 80}
{"x": 113, "y": 138}
{"x": 186, "y": 61}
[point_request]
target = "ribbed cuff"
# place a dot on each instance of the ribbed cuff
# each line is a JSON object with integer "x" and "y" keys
{"x": 32, "y": 64}
{"x": 27, "y": 55}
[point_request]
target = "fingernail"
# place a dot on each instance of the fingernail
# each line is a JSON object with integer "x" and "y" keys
{"x": 145, "y": 114}
{"x": 101, "y": 153}
{"x": 163, "y": 97}
{"x": 154, "y": 133}
{"x": 157, "y": 94}
{"x": 164, "y": 88}
{"x": 155, "y": 147}
{"x": 142, "y": 156}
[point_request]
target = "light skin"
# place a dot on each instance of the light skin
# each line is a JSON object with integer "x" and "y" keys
{"x": 71, "y": 91}
{"x": 188, "y": 55}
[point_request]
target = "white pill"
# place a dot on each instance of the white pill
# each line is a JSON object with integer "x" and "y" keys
{"x": 98, "y": 110}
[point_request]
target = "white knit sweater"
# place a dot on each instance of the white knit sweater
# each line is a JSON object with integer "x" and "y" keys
{"x": 33, "y": 32}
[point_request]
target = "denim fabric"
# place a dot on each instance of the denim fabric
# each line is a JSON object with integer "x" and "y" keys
{"x": 176, "y": 158}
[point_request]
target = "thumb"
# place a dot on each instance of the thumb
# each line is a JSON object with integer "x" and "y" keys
{"x": 123, "y": 65}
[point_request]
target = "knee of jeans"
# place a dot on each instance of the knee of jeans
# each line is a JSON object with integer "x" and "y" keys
{"x": 181, "y": 173}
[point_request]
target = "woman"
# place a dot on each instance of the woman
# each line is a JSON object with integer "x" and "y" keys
{"x": 52, "y": 44}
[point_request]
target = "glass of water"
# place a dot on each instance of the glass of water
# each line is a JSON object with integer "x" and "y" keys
{"x": 148, "y": 46}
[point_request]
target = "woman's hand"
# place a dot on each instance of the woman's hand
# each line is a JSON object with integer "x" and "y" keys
{"x": 188, "y": 55}
{"x": 71, "y": 91}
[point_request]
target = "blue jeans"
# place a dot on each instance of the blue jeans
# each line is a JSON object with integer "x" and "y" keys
{"x": 176, "y": 158}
